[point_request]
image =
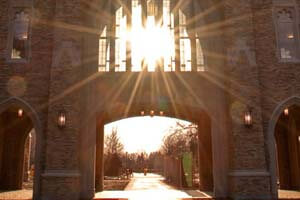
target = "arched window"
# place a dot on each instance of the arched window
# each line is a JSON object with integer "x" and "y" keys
{"x": 144, "y": 37}
{"x": 286, "y": 23}
{"x": 19, "y": 34}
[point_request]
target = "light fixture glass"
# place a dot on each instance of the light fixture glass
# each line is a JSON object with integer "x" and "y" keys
{"x": 152, "y": 113}
{"x": 161, "y": 113}
{"x": 62, "y": 120}
{"x": 290, "y": 36}
{"x": 142, "y": 113}
{"x": 286, "y": 112}
{"x": 248, "y": 118}
{"x": 20, "y": 112}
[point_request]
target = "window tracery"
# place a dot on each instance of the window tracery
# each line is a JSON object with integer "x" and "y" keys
{"x": 147, "y": 40}
{"x": 286, "y": 23}
{"x": 20, "y": 35}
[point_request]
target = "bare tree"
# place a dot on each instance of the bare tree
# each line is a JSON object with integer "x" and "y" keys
{"x": 112, "y": 143}
{"x": 179, "y": 140}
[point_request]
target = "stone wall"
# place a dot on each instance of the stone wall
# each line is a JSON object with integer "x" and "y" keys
{"x": 245, "y": 73}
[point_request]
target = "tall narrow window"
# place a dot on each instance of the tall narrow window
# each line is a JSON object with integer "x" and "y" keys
{"x": 104, "y": 50}
{"x": 168, "y": 25}
{"x": 287, "y": 34}
{"x": 20, "y": 44}
{"x": 135, "y": 36}
{"x": 185, "y": 44}
{"x": 120, "y": 40}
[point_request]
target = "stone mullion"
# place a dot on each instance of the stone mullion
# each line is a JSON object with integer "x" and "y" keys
{"x": 128, "y": 42}
{"x": 112, "y": 39}
{"x": 175, "y": 10}
{"x": 159, "y": 15}
{"x": 191, "y": 30}
{"x": 144, "y": 12}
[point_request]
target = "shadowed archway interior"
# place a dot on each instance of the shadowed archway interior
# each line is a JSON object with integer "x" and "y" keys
{"x": 15, "y": 126}
{"x": 287, "y": 135}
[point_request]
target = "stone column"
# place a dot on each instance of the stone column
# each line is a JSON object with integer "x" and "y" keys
{"x": 248, "y": 176}
{"x": 61, "y": 170}
{"x": 205, "y": 154}
{"x": 27, "y": 158}
{"x": 99, "y": 156}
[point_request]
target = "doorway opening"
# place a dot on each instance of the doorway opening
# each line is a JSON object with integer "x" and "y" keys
{"x": 150, "y": 153}
{"x": 17, "y": 152}
{"x": 287, "y": 136}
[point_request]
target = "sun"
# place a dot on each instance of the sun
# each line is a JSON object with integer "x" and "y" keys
{"x": 153, "y": 44}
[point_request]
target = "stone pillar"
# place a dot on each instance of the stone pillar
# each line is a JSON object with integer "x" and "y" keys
{"x": 205, "y": 154}
{"x": 99, "y": 156}
{"x": 27, "y": 156}
{"x": 61, "y": 170}
{"x": 248, "y": 176}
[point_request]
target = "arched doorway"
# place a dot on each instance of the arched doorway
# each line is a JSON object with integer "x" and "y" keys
{"x": 16, "y": 126}
{"x": 287, "y": 136}
{"x": 205, "y": 158}
{"x": 282, "y": 122}
{"x": 20, "y": 144}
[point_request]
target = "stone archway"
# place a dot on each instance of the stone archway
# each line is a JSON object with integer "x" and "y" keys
{"x": 30, "y": 120}
{"x": 194, "y": 115}
{"x": 271, "y": 141}
{"x": 208, "y": 92}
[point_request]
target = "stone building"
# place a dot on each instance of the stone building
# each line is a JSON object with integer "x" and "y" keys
{"x": 67, "y": 67}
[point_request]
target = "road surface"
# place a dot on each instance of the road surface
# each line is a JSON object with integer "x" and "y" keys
{"x": 150, "y": 187}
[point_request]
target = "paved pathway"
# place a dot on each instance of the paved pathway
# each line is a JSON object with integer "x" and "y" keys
{"x": 149, "y": 187}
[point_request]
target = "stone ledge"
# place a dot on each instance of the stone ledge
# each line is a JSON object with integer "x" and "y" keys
{"x": 247, "y": 173}
{"x": 61, "y": 173}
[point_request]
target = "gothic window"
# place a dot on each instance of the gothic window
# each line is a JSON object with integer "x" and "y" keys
{"x": 185, "y": 44}
{"x": 120, "y": 40}
{"x": 168, "y": 24}
{"x": 20, "y": 35}
{"x": 104, "y": 50}
{"x": 287, "y": 34}
{"x": 136, "y": 57}
{"x": 148, "y": 38}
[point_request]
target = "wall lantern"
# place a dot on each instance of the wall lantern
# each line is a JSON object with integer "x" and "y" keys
{"x": 299, "y": 138}
{"x": 152, "y": 113}
{"x": 61, "y": 119}
{"x": 286, "y": 112}
{"x": 20, "y": 112}
{"x": 290, "y": 36}
{"x": 161, "y": 113}
{"x": 248, "y": 118}
{"x": 142, "y": 113}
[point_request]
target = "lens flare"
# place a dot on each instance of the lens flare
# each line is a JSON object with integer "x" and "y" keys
{"x": 152, "y": 43}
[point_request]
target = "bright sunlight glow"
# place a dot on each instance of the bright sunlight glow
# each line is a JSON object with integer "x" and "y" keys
{"x": 151, "y": 44}
{"x": 143, "y": 134}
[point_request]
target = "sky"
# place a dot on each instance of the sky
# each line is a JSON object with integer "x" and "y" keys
{"x": 142, "y": 133}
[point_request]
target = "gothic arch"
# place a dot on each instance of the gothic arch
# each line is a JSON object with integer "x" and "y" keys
{"x": 294, "y": 100}
{"x": 32, "y": 114}
{"x": 214, "y": 46}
